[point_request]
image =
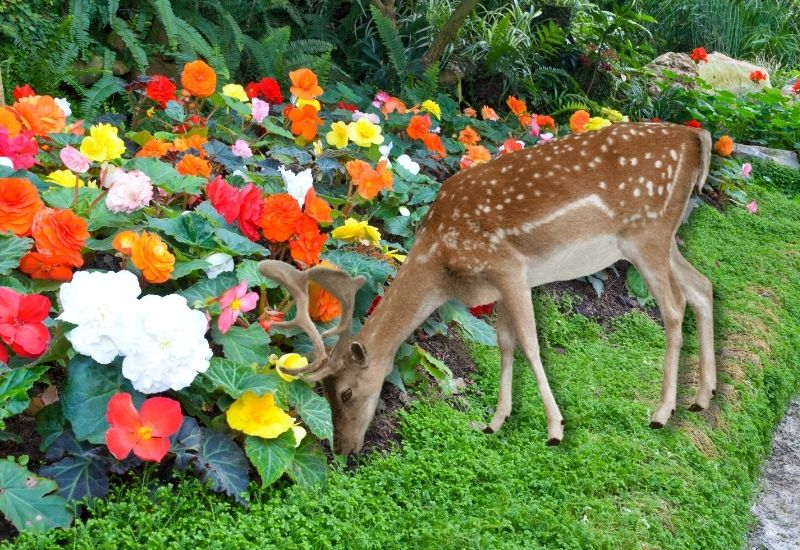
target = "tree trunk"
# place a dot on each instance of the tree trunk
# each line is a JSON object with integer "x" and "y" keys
{"x": 2, "y": 92}
{"x": 386, "y": 7}
{"x": 448, "y": 32}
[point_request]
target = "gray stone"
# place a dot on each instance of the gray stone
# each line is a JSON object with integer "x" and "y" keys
{"x": 726, "y": 73}
{"x": 674, "y": 62}
{"x": 779, "y": 156}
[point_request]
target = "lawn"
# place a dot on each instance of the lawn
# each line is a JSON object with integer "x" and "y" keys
{"x": 613, "y": 483}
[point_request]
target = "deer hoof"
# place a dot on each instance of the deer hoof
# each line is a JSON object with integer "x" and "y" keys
{"x": 656, "y": 425}
{"x": 553, "y": 441}
{"x": 714, "y": 392}
{"x": 481, "y": 427}
{"x": 694, "y": 407}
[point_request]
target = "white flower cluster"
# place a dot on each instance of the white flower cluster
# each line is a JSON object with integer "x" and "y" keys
{"x": 162, "y": 339}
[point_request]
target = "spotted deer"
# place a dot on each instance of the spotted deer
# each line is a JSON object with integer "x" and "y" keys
{"x": 556, "y": 211}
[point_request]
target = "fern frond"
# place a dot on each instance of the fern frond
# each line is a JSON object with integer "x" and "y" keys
{"x": 391, "y": 41}
{"x": 94, "y": 97}
{"x": 311, "y": 46}
{"x": 168, "y": 20}
{"x": 194, "y": 41}
{"x": 81, "y": 12}
{"x": 131, "y": 42}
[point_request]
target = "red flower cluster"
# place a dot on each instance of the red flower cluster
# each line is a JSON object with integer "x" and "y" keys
{"x": 346, "y": 106}
{"x": 191, "y": 122}
{"x": 21, "y": 149}
{"x": 23, "y": 91}
{"x": 243, "y": 205}
{"x": 699, "y": 54}
{"x": 693, "y": 123}
{"x": 758, "y": 76}
{"x": 21, "y": 323}
{"x": 796, "y": 87}
{"x": 485, "y": 309}
{"x": 161, "y": 90}
{"x": 266, "y": 89}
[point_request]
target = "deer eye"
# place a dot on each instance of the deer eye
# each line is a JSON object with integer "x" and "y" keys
{"x": 346, "y": 395}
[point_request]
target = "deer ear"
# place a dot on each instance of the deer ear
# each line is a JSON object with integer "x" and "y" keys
{"x": 359, "y": 354}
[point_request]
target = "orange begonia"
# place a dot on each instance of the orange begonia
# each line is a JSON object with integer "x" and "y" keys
{"x": 38, "y": 265}
{"x": 322, "y": 306}
{"x": 279, "y": 216}
{"x": 124, "y": 242}
{"x": 152, "y": 257}
{"x": 305, "y": 121}
{"x": 369, "y": 181}
{"x": 392, "y": 105}
{"x": 195, "y": 141}
{"x": 317, "y": 208}
{"x": 545, "y": 121}
{"x": 517, "y": 106}
{"x": 40, "y": 114}
{"x": 304, "y": 84}
{"x": 724, "y": 146}
{"x": 155, "y": 148}
{"x": 19, "y": 202}
{"x": 578, "y": 121}
{"x": 419, "y": 126}
{"x": 487, "y": 113}
{"x": 478, "y": 154}
{"x": 8, "y": 120}
{"x": 470, "y": 112}
{"x": 468, "y": 136}
{"x": 434, "y": 143}
{"x": 308, "y": 243}
{"x": 60, "y": 232}
{"x": 199, "y": 79}
{"x": 192, "y": 165}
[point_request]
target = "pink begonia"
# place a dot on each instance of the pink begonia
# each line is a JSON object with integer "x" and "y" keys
{"x": 241, "y": 149}
{"x": 21, "y": 149}
{"x": 535, "y": 129}
{"x": 752, "y": 207}
{"x": 380, "y": 98}
{"x": 747, "y": 169}
{"x": 74, "y": 159}
{"x": 234, "y": 301}
{"x": 129, "y": 191}
{"x": 546, "y": 136}
{"x": 372, "y": 117}
{"x": 260, "y": 110}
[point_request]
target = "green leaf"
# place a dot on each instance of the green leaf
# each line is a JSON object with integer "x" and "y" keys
{"x": 87, "y": 392}
{"x": 182, "y": 269}
{"x": 273, "y": 128}
{"x": 14, "y": 386}
{"x": 12, "y": 249}
{"x": 207, "y": 289}
{"x": 100, "y": 216}
{"x": 50, "y": 424}
{"x": 24, "y": 500}
{"x": 191, "y": 229}
{"x": 235, "y": 244}
{"x": 243, "y": 345}
{"x": 248, "y": 271}
{"x": 309, "y": 466}
{"x": 355, "y": 264}
{"x": 165, "y": 176}
{"x": 78, "y": 477}
{"x": 222, "y": 462}
{"x": 174, "y": 110}
{"x": 235, "y": 378}
{"x": 271, "y": 457}
{"x": 476, "y": 329}
{"x": 312, "y": 408}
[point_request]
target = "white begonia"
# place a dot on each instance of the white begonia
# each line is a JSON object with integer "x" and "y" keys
{"x": 64, "y": 105}
{"x": 94, "y": 301}
{"x": 218, "y": 262}
{"x": 297, "y": 185}
{"x": 164, "y": 343}
{"x": 406, "y": 162}
{"x": 384, "y": 150}
{"x": 404, "y": 211}
{"x": 5, "y": 161}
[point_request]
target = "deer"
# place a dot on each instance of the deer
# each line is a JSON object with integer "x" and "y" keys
{"x": 555, "y": 211}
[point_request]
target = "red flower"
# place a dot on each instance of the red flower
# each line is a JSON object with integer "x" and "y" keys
{"x": 21, "y": 326}
{"x": 192, "y": 121}
{"x": 699, "y": 54}
{"x": 758, "y": 76}
{"x": 308, "y": 242}
{"x": 146, "y": 434}
{"x": 267, "y": 89}
{"x": 23, "y": 91}
{"x": 796, "y": 87}
{"x": 3, "y": 354}
{"x": 21, "y": 149}
{"x": 375, "y": 301}
{"x": 37, "y": 265}
{"x": 346, "y": 106}
{"x": 250, "y": 211}
{"x": 161, "y": 89}
{"x": 693, "y": 123}
{"x": 224, "y": 198}
{"x": 272, "y": 317}
{"x": 485, "y": 309}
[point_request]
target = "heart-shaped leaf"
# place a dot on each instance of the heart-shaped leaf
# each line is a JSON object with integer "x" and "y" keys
{"x": 271, "y": 457}
{"x": 25, "y": 501}
{"x": 312, "y": 408}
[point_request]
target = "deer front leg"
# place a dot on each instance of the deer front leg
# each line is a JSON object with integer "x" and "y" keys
{"x": 506, "y": 342}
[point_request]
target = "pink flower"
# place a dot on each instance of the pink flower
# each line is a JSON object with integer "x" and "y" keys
{"x": 380, "y": 98}
{"x": 535, "y": 129}
{"x": 74, "y": 160}
{"x": 752, "y": 207}
{"x": 260, "y": 110}
{"x": 546, "y": 136}
{"x": 234, "y": 301}
{"x": 372, "y": 117}
{"x": 129, "y": 191}
{"x": 241, "y": 149}
{"x": 20, "y": 149}
{"x": 747, "y": 168}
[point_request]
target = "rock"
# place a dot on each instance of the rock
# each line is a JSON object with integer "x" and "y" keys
{"x": 788, "y": 90}
{"x": 779, "y": 156}
{"x": 678, "y": 63}
{"x": 726, "y": 73}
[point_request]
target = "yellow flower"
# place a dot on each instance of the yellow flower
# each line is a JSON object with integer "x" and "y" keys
{"x": 337, "y": 137}
{"x": 364, "y": 133}
{"x": 313, "y": 102}
{"x": 258, "y": 416}
{"x": 289, "y": 361}
{"x": 318, "y": 148}
{"x": 596, "y": 123}
{"x": 102, "y": 144}
{"x": 393, "y": 254}
{"x": 151, "y": 112}
{"x": 236, "y": 91}
{"x": 299, "y": 434}
{"x": 613, "y": 115}
{"x": 354, "y": 230}
{"x": 432, "y": 107}
{"x": 64, "y": 178}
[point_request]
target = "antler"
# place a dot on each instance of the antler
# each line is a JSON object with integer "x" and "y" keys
{"x": 339, "y": 283}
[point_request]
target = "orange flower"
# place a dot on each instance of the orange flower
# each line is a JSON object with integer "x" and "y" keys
{"x": 152, "y": 256}
{"x": 434, "y": 144}
{"x": 60, "y": 232}
{"x": 304, "y": 84}
{"x": 44, "y": 266}
{"x": 724, "y": 146}
{"x": 544, "y": 121}
{"x": 369, "y": 181}
{"x": 279, "y": 216}
{"x": 41, "y": 114}
{"x": 517, "y": 106}
{"x": 305, "y": 121}
{"x": 393, "y": 104}
{"x": 195, "y": 141}
{"x": 154, "y": 148}
{"x": 468, "y": 136}
{"x": 478, "y": 154}
{"x": 199, "y": 79}
{"x": 578, "y": 121}
{"x": 525, "y": 120}
{"x": 322, "y": 306}
{"x": 192, "y": 165}
{"x": 19, "y": 202}
{"x": 317, "y": 208}
{"x": 9, "y": 121}
{"x": 308, "y": 243}
{"x": 124, "y": 242}
{"x": 419, "y": 126}
{"x": 487, "y": 113}
{"x": 470, "y": 112}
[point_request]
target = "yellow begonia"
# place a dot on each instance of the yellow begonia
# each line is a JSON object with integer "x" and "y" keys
{"x": 354, "y": 230}
{"x": 432, "y": 107}
{"x": 102, "y": 144}
{"x": 596, "y": 123}
{"x": 613, "y": 115}
{"x": 258, "y": 416}
{"x": 364, "y": 133}
{"x": 64, "y": 178}
{"x": 236, "y": 91}
{"x": 337, "y": 137}
{"x": 313, "y": 102}
{"x": 289, "y": 361}
{"x": 395, "y": 255}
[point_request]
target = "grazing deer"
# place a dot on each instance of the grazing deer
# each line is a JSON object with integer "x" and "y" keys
{"x": 556, "y": 211}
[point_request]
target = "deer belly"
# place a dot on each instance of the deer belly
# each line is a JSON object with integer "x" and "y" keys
{"x": 576, "y": 259}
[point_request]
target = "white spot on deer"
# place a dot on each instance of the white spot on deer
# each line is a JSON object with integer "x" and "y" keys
{"x": 610, "y": 141}
{"x": 669, "y": 170}
{"x": 548, "y": 159}
{"x": 537, "y": 193}
{"x": 659, "y": 164}
{"x": 529, "y": 156}
{"x": 660, "y": 189}
{"x": 622, "y": 161}
{"x": 636, "y": 217}
{"x": 504, "y": 169}
{"x": 597, "y": 160}
{"x": 626, "y": 137}
{"x": 652, "y": 215}
{"x": 637, "y": 192}
{"x": 602, "y": 185}
{"x": 507, "y": 200}
{"x": 577, "y": 167}
{"x": 622, "y": 203}
{"x": 621, "y": 185}
{"x": 493, "y": 182}
{"x": 673, "y": 154}
{"x": 499, "y": 206}
{"x": 648, "y": 156}
{"x": 650, "y": 188}
{"x": 634, "y": 161}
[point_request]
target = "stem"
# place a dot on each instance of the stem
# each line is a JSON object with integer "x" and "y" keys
{"x": 76, "y": 197}
{"x": 95, "y": 201}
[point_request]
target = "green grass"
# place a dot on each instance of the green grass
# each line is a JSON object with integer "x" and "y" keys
{"x": 613, "y": 483}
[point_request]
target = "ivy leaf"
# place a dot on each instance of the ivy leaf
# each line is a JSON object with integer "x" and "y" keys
{"x": 24, "y": 500}
{"x": 12, "y": 249}
{"x": 78, "y": 477}
{"x": 235, "y": 378}
{"x": 186, "y": 443}
{"x": 312, "y": 408}
{"x": 309, "y": 466}
{"x": 271, "y": 457}
{"x": 14, "y": 386}
{"x": 243, "y": 345}
{"x": 222, "y": 154}
{"x": 222, "y": 462}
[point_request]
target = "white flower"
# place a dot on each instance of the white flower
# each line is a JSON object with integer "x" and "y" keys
{"x": 164, "y": 343}
{"x": 384, "y": 151}
{"x": 130, "y": 191}
{"x": 406, "y": 162}
{"x": 94, "y": 301}
{"x": 64, "y": 105}
{"x": 403, "y": 211}
{"x": 372, "y": 117}
{"x": 5, "y": 161}
{"x": 219, "y": 262}
{"x": 297, "y": 185}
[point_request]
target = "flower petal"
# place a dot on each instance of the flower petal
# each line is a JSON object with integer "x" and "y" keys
{"x": 122, "y": 414}
{"x": 9, "y": 303}
{"x": 226, "y": 319}
{"x": 120, "y": 442}
{"x": 163, "y": 415}
{"x": 32, "y": 339}
{"x": 153, "y": 449}
{"x": 34, "y": 308}
{"x": 248, "y": 301}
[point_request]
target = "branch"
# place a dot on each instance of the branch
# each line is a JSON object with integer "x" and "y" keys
{"x": 448, "y": 32}
{"x": 386, "y": 7}
{"x": 2, "y": 92}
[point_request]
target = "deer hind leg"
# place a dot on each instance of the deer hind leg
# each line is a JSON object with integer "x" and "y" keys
{"x": 698, "y": 292}
{"x": 506, "y": 341}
